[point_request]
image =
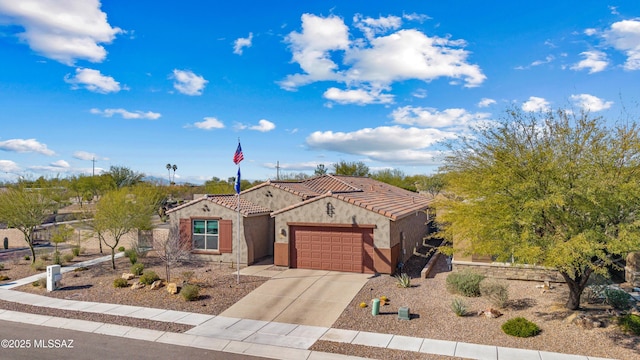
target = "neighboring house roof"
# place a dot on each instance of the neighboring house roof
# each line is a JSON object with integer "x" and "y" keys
{"x": 387, "y": 200}
{"x": 230, "y": 201}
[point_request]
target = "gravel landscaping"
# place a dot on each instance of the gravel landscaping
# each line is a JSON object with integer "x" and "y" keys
{"x": 428, "y": 301}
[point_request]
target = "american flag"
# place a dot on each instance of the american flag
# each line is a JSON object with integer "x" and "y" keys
{"x": 237, "y": 157}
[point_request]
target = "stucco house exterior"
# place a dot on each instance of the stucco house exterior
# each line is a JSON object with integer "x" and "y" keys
{"x": 329, "y": 222}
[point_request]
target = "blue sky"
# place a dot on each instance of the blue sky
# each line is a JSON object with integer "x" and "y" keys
{"x": 145, "y": 83}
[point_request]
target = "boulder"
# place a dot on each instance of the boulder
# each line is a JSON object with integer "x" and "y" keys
{"x": 137, "y": 285}
{"x": 128, "y": 276}
{"x": 490, "y": 313}
{"x": 172, "y": 288}
{"x": 587, "y": 322}
{"x": 156, "y": 285}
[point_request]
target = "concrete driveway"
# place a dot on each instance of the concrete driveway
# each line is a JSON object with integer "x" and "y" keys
{"x": 298, "y": 296}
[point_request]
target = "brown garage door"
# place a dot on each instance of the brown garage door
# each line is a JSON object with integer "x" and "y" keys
{"x": 332, "y": 248}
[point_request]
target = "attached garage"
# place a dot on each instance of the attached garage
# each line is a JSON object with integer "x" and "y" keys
{"x": 335, "y": 248}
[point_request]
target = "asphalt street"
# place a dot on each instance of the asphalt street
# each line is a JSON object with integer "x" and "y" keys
{"x": 24, "y": 341}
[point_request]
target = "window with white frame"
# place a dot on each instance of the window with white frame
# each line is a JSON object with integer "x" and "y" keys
{"x": 205, "y": 234}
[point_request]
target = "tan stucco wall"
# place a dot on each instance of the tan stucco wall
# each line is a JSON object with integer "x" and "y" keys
{"x": 343, "y": 213}
{"x": 16, "y": 238}
{"x": 255, "y": 229}
{"x": 278, "y": 199}
{"x": 409, "y": 232}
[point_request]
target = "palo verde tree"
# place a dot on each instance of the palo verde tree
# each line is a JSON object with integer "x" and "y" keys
{"x": 558, "y": 189}
{"x": 25, "y": 209}
{"x": 121, "y": 211}
{"x": 351, "y": 168}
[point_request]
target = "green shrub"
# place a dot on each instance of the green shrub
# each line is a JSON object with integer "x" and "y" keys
{"x": 137, "y": 269}
{"x": 630, "y": 323}
{"x": 39, "y": 265}
{"x": 42, "y": 282}
{"x": 45, "y": 257}
{"x": 403, "y": 280}
{"x": 120, "y": 283}
{"x": 190, "y": 292}
{"x": 459, "y": 307}
{"x": 68, "y": 257}
{"x": 75, "y": 250}
{"x": 132, "y": 255}
{"x": 57, "y": 259}
{"x": 27, "y": 257}
{"x": 618, "y": 299}
{"x": 149, "y": 277}
{"x": 496, "y": 291}
{"x": 121, "y": 249}
{"x": 465, "y": 283}
{"x": 520, "y": 327}
{"x": 187, "y": 276}
{"x": 4, "y": 278}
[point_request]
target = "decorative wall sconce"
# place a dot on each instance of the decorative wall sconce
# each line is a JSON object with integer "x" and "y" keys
{"x": 205, "y": 208}
{"x": 330, "y": 210}
{"x": 283, "y": 232}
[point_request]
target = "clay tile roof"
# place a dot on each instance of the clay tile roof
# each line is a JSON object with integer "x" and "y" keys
{"x": 247, "y": 208}
{"x": 387, "y": 200}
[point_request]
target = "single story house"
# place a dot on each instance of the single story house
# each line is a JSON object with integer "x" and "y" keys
{"x": 328, "y": 222}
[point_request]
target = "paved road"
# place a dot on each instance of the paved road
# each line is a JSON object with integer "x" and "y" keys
{"x": 56, "y": 344}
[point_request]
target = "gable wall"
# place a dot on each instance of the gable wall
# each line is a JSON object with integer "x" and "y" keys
{"x": 271, "y": 198}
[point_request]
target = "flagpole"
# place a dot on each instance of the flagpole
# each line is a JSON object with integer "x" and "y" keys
{"x": 238, "y": 235}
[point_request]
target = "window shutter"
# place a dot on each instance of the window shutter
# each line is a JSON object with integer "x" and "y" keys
{"x": 185, "y": 233}
{"x": 225, "y": 236}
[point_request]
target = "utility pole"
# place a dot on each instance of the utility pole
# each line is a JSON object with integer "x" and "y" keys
{"x": 93, "y": 160}
{"x": 277, "y": 170}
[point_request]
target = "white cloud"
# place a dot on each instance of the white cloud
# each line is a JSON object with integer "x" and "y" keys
{"x": 430, "y": 117}
{"x": 625, "y": 36}
{"x": 416, "y": 17}
{"x": 263, "y": 126}
{"x": 535, "y": 104}
{"x": 420, "y": 93}
{"x": 595, "y": 61}
{"x": 310, "y": 49}
{"x": 62, "y": 30}
{"x": 357, "y": 96}
{"x": 127, "y": 114}
{"x": 84, "y": 155}
{"x": 590, "y": 31}
{"x": 546, "y": 60}
{"x": 60, "y": 164}
{"x": 242, "y": 43}
{"x": 486, "y": 102}
{"x": 209, "y": 123}
{"x": 371, "y": 27}
{"x": 302, "y": 166}
{"x": 8, "y": 166}
{"x": 188, "y": 83}
{"x": 26, "y": 146}
{"x": 590, "y": 103}
{"x": 374, "y": 62}
{"x": 92, "y": 80}
{"x": 385, "y": 143}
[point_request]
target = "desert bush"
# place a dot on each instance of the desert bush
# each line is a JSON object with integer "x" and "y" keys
{"x": 465, "y": 283}
{"x": 618, "y": 299}
{"x": 120, "y": 283}
{"x": 520, "y": 327}
{"x": 41, "y": 282}
{"x": 403, "y": 280}
{"x": 496, "y": 291}
{"x": 45, "y": 257}
{"x": 38, "y": 265}
{"x": 137, "y": 269}
{"x": 68, "y": 257}
{"x": 459, "y": 307}
{"x": 121, "y": 248}
{"x": 27, "y": 257}
{"x": 149, "y": 277}
{"x": 57, "y": 259}
{"x": 132, "y": 255}
{"x": 4, "y": 277}
{"x": 75, "y": 250}
{"x": 630, "y": 323}
{"x": 190, "y": 292}
{"x": 187, "y": 276}
{"x": 1, "y": 266}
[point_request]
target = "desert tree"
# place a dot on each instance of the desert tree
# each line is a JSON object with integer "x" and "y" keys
{"x": 351, "y": 168}
{"x": 171, "y": 251}
{"x": 121, "y": 211}
{"x": 26, "y": 209}
{"x": 123, "y": 176}
{"x": 555, "y": 189}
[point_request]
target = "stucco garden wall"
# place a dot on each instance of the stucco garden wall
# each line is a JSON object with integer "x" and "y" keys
{"x": 509, "y": 271}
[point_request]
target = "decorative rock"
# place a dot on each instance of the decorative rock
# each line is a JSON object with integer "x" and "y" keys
{"x": 586, "y": 322}
{"x": 490, "y": 313}
{"x": 137, "y": 285}
{"x": 156, "y": 285}
{"x": 172, "y": 288}
{"x": 128, "y": 276}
